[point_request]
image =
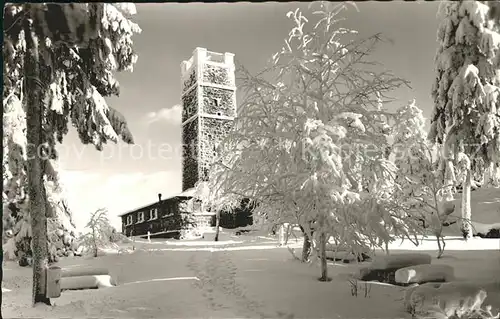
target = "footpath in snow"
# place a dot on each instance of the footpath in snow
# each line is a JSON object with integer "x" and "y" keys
{"x": 244, "y": 277}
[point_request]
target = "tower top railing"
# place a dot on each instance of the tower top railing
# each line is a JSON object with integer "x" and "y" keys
{"x": 215, "y": 57}
{"x": 201, "y": 55}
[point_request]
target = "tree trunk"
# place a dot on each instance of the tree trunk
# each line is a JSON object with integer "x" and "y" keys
{"x": 450, "y": 179}
{"x": 306, "y": 246}
{"x": 34, "y": 95}
{"x": 217, "y": 225}
{"x": 281, "y": 235}
{"x": 466, "y": 226}
{"x": 322, "y": 251}
{"x": 1, "y": 272}
{"x": 489, "y": 175}
{"x": 94, "y": 239}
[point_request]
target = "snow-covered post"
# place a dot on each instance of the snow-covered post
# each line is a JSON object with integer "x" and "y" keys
{"x": 133, "y": 238}
{"x": 288, "y": 228}
{"x": 53, "y": 282}
{"x": 149, "y": 236}
{"x": 281, "y": 235}
{"x": 466, "y": 177}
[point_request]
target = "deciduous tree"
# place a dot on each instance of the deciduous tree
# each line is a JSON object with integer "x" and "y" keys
{"x": 99, "y": 233}
{"x": 307, "y": 136}
{"x": 422, "y": 191}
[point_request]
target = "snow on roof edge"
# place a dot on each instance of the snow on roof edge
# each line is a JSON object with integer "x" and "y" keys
{"x": 187, "y": 193}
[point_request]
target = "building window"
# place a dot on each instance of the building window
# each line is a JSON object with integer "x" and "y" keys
{"x": 129, "y": 220}
{"x": 153, "y": 214}
{"x": 140, "y": 218}
{"x": 190, "y": 204}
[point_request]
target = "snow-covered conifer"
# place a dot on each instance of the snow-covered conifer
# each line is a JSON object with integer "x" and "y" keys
{"x": 466, "y": 116}
{"x": 67, "y": 54}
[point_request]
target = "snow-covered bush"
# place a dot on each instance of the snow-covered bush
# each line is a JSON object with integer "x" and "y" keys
{"x": 99, "y": 234}
{"x": 117, "y": 237}
{"x": 69, "y": 95}
{"x": 424, "y": 188}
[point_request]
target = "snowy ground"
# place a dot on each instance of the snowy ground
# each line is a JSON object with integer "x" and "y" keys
{"x": 244, "y": 277}
{"x": 485, "y": 207}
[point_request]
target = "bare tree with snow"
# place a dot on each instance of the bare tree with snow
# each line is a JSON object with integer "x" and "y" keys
{"x": 423, "y": 192}
{"x": 307, "y": 144}
{"x": 212, "y": 200}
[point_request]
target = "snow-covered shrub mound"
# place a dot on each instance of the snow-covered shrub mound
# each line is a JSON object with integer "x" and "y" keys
{"x": 344, "y": 254}
{"x": 486, "y": 230}
{"x": 362, "y": 273}
{"x": 9, "y": 223}
{"x": 383, "y": 268}
{"x": 119, "y": 238}
{"x": 60, "y": 226}
{"x": 191, "y": 233}
{"x": 86, "y": 282}
{"x": 400, "y": 260}
{"x": 62, "y": 239}
{"x": 9, "y": 249}
{"x": 103, "y": 250}
{"x": 447, "y": 300}
{"x": 424, "y": 273}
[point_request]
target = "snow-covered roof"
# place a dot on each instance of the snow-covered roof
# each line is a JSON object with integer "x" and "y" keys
{"x": 187, "y": 193}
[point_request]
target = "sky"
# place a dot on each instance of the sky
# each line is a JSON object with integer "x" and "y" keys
{"x": 123, "y": 177}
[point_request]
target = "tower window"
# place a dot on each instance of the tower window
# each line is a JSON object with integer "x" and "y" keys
{"x": 217, "y": 101}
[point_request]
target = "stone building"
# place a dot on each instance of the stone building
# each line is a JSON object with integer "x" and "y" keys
{"x": 208, "y": 110}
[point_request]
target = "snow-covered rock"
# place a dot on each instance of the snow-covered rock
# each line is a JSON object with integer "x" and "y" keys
{"x": 9, "y": 249}
{"x": 453, "y": 298}
{"x": 411, "y": 289}
{"x": 345, "y": 256}
{"x": 86, "y": 282}
{"x": 342, "y": 252}
{"x": 424, "y": 273}
{"x": 361, "y": 273}
{"x": 399, "y": 260}
{"x": 79, "y": 251}
{"x": 67, "y": 239}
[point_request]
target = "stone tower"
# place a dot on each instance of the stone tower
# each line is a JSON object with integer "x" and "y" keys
{"x": 208, "y": 110}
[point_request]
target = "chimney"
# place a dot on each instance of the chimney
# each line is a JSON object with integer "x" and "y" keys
{"x": 159, "y": 197}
